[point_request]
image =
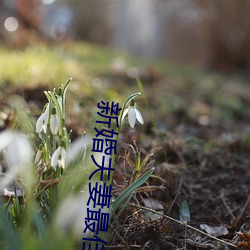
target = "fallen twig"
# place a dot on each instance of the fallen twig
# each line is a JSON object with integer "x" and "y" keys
{"x": 184, "y": 224}
{"x": 174, "y": 200}
{"x": 226, "y": 205}
{"x": 239, "y": 217}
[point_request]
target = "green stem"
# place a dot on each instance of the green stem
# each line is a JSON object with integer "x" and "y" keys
{"x": 54, "y": 142}
{"x": 47, "y": 140}
{"x": 63, "y": 100}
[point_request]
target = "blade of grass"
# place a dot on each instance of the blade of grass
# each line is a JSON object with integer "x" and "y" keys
{"x": 10, "y": 236}
{"x": 128, "y": 191}
{"x": 122, "y": 209}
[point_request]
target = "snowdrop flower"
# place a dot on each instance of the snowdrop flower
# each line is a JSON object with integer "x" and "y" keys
{"x": 17, "y": 152}
{"x": 54, "y": 121}
{"x": 59, "y": 157}
{"x": 72, "y": 213}
{"x": 78, "y": 148}
{"x": 133, "y": 114}
{"x": 42, "y": 122}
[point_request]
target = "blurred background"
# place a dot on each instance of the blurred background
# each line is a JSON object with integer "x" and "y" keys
{"x": 212, "y": 34}
{"x": 193, "y": 60}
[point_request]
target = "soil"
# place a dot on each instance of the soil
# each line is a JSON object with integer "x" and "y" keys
{"x": 202, "y": 164}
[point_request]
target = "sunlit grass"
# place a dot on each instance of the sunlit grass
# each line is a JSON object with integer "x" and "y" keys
{"x": 38, "y": 65}
{"x": 51, "y": 64}
{"x": 94, "y": 78}
{"x": 41, "y": 64}
{"x": 34, "y": 65}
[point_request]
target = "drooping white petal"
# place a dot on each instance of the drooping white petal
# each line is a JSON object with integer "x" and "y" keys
{"x": 54, "y": 124}
{"x": 71, "y": 214}
{"x": 61, "y": 163}
{"x": 133, "y": 114}
{"x": 55, "y": 156}
{"x": 78, "y": 148}
{"x": 46, "y": 112}
{"x": 39, "y": 123}
{"x": 139, "y": 116}
{"x": 19, "y": 151}
{"x": 5, "y": 139}
{"x": 132, "y": 117}
{"x": 18, "y": 156}
{"x": 63, "y": 159}
{"x": 124, "y": 113}
{"x": 59, "y": 157}
{"x": 44, "y": 127}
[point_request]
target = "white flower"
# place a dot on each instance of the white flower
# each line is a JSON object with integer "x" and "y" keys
{"x": 42, "y": 122}
{"x": 17, "y": 152}
{"x": 54, "y": 121}
{"x": 133, "y": 114}
{"x": 70, "y": 217}
{"x": 59, "y": 157}
{"x": 17, "y": 148}
{"x": 78, "y": 148}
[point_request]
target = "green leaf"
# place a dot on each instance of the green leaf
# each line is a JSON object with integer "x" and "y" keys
{"x": 128, "y": 191}
{"x": 39, "y": 222}
{"x": 65, "y": 87}
{"x": 122, "y": 208}
{"x": 184, "y": 212}
{"x": 11, "y": 238}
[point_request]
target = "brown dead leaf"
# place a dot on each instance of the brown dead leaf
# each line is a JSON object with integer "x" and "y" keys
{"x": 215, "y": 231}
{"x": 245, "y": 236}
{"x": 152, "y": 204}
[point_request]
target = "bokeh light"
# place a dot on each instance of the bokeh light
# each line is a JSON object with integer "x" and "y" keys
{"x": 11, "y": 24}
{"x": 48, "y": 2}
{"x": 58, "y": 31}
